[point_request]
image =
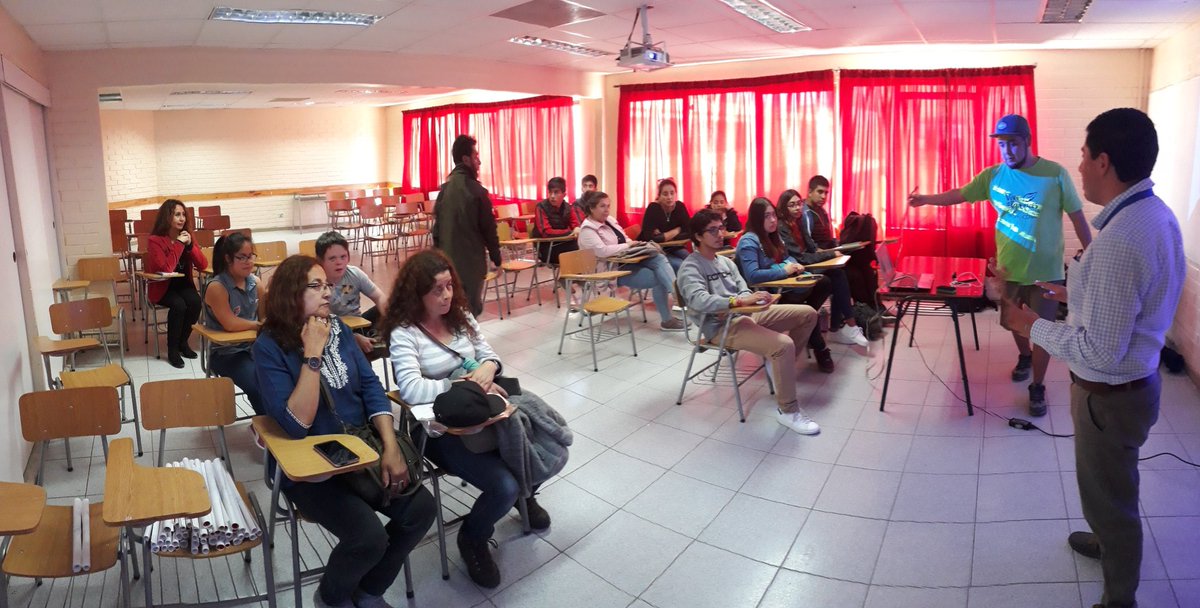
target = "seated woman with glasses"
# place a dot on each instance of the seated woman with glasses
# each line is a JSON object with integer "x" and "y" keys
{"x": 435, "y": 341}
{"x": 300, "y": 348}
{"x": 842, "y": 327}
{"x": 762, "y": 258}
{"x": 666, "y": 219}
{"x": 169, "y": 249}
{"x": 231, "y": 304}
{"x": 603, "y": 236}
{"x": 719, "y": 204}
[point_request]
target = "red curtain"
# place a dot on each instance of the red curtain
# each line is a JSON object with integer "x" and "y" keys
{"x": 749, "y": 137}
{"x": 926, "y": 130}
{"x": 521, "y": 143}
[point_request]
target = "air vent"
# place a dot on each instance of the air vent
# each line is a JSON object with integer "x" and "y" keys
{"x": 1065, "y": 11}
{"x": 110, "y": 97}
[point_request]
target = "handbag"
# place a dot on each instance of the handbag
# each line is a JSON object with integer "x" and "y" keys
{"x": 367, "y": 483}
{"x": 511, "y": 385}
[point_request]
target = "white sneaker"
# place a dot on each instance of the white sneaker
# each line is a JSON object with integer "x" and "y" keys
{"x": 798, "y": 421}
{"x": 848, "y": 334}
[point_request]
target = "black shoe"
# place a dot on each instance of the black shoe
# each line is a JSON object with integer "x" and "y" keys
{"x": 1024, "y": 365}
{"x": 824, "y": 360}
{"x": 480, "y": 565}
{"x": 1037, "y": 400}
{"x": 1085, "y": 544}
{"x": 186, "y": 352}
{"x": 539, "y": 519}
{"x": 175, "y": 360}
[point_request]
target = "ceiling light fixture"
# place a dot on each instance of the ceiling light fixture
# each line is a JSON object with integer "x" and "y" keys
{"x": 767, "y": 15}
{"x": 210, "y": 92}
{"x": 368, "y": 92}
{"x": 1065, "y": 11}
{"x": 556, "y": 45}
{"x": 247, "y": 15}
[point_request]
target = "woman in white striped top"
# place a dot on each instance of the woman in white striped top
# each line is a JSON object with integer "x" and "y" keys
{"x": 433, "y": 338}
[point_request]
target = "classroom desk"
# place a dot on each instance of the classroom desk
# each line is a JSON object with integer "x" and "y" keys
{"x": 355, "y": 322}
{"x": 942, "y": 269}
{"x": 63, "y": 288}
{"x": 838, "y": 262}
{"x": 20, "y": 507}
{"x": 299, "y": 460}
{"x": 675, "y": 243}
{"x": 216, "y": 337}
{"x": 797, "y": 282}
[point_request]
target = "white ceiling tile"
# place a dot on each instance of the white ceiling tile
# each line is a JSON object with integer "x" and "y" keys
{"x": 239, "y": 35}
{"x": 956, "y": 33}
{"x": 43, "y": 12}
{"x": 958, "y": 11}
{"x": 58, "y": 36}
{"x": 154, "y": 33}
{"x": 1035, "y": 33}
{"x": 1018, "y": 11}
{"x": 600, "y": 28}
{"x": 1143, "y": 11}
{"x": 313, "y": 36}
{"x": 158, "y": 10}
{"x": 863, "y": 15}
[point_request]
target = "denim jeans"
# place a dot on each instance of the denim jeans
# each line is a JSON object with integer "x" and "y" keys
{"x": 498, "y": 489}
{"x": 654, "y": 274}
{"x": 368, "y": 555}
{"x": 676, "y": 256}
{"x": 840, "y": 307}
{"x": 239, "y": 367}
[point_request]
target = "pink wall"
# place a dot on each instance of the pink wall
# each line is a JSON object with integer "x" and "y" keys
{"x": 18, "y": 47}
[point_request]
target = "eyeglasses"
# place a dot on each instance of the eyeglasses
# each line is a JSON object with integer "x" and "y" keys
{"x": 714, "y": 231}
{"x": 320, "y": 286}
{"x": 244, "y": 257}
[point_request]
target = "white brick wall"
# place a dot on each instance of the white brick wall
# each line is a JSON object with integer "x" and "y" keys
{"x": 130, "y": 158}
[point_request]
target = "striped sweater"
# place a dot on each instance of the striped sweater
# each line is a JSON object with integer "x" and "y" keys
{"x": 422, "y": 368}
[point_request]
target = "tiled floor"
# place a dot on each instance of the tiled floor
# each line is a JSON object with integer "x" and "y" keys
{"x": 685, "y": 506}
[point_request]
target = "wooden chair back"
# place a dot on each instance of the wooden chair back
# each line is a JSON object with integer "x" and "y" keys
{"x": 509, "y": 210}
{"x": 208, "y": 211}
{"x": 529, "y": 207}
{"x": 370, "y": 209}
{"x": 204, "y": 238}
{"x": 105, "y": 268}
{"x": 339, "y": 205}
{"x": 216, "y": 223}
{"x": 504, "y": 231}
{"x": 208, "y": 255}
{"x": 271, "y": 251}
{"x": 70, "y": 412}
{"x": 633, "y": 231}
{"x": 118, "y": 215}
{"x": 187, "y": 403}
{"x": 80, "y": 315}
{"x": 408, "y": 208}
{"x": 149, "y": 215}
{"x": 309, "y": 248}
{"x": 143, "y": 226}
{"x": 117, "y": 238}
{"x": 414, "y": 197}
{"x": 580, "y": 261}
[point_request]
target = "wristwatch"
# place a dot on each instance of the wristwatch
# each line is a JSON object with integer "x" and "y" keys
{"x": 313, "y": 363}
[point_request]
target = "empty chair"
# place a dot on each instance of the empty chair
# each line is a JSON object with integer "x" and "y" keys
{"x": 71, "y": 412}
{"x": 579, "y": 267}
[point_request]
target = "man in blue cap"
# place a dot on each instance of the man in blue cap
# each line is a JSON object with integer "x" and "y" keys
{"x": 1030, "y": 195}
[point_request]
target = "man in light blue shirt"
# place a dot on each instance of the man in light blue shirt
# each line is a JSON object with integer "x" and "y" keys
{"x": 1122, "y": 297}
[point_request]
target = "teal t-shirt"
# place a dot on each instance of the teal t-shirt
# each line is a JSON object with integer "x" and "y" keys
{"x": 1030, "y": 203}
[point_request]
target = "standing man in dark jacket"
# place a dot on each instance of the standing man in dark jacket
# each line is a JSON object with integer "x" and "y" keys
{"x": 463, "y": 224}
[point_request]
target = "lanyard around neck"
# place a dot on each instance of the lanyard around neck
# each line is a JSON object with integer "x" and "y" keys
{"x": 1147, "y": 193}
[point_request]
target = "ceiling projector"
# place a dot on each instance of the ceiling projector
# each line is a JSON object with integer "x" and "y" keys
{"x": 645, "y": 56}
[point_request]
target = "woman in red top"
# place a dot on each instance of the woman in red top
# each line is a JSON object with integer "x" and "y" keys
{"x": 169, "y": 249}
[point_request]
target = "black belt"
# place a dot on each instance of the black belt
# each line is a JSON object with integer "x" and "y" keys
{"x": 1100, "y": 388}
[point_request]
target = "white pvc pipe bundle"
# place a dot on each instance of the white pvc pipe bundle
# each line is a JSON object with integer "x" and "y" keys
{"x": 229, "y": 523}
{"x": 81, "y": 536}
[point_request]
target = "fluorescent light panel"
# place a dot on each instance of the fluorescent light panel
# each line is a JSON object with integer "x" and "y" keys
{"x": 557, "y": 45}
{"x": 210, "y": 92}
{"x": 1065, "y": 11}
{"x": 767, "y": 15}
{"x": 247, "y": 15}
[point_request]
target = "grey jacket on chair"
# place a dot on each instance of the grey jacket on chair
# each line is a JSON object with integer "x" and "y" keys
{"x": 533, "y": 442}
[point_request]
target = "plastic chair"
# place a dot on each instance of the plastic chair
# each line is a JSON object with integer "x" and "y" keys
{"x": 579, "y": 266}
{"x": 700, "y": 345}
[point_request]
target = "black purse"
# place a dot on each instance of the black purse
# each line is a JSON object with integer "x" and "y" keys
{"x": 368, "y": 483}
{"x": 511, "y": 385}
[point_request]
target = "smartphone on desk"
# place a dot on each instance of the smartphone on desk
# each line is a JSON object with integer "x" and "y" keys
{"x": 335, "y": 453}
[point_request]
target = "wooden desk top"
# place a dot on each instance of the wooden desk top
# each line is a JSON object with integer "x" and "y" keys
{"x": 135, "y": 495}
{"x": 855, "y": 246}
{"x": 299, "y": 460}
{"x": 20, "y": 507}
{"x": 47, "y": 346}
{"x": 223, "y": 338}
{"x": 354, "y": 322}
{"x": 553, "y": 239}
{"x": 629, "y": 260}
{"x": 69, "y": 284}
{"x": 837, "y": 262}
{"x": 46, "y": 552}
{"x": 526, "y": 217}
{"x": 158, "y": 276}
{"x": 597, "y": 276}
{"x": 728, "y": 252}
{"x": 515, "y": 242}
{"x": 675, "y": 243}
{"x": 793, "y": 282}
{"x": 267, "y": 263}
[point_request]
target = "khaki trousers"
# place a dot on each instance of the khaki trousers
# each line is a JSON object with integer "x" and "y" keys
{"x": 1109, "y": 430}
{"x": 775, "y": 334}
